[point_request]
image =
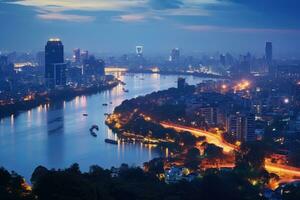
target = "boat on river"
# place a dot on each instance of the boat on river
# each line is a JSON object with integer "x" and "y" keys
{"x": 111, "y": 141}
{"x": 93, "y": 134}
{"x": 92, "y": 130}
{"x": 125, "y": 90}
{"x": 95, "y": 127}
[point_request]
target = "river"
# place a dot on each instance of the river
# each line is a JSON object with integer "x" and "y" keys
{"x": 57, "y": 135}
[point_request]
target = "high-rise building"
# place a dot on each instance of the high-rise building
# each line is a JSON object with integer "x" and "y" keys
{"x": 94, "y": 67}
{"x": 3, "y": 63}
{"x": 3, "y": 60}
{"x": 139, "y": 50}
{"x": 242, "y": 126}
{"x": 60, "y": 74}
{"x": 54, "y": 56}
{"x": 175, "y": 55}
{"x": 244, "y": 67}
{"x": 269, "y": 52}
{"x": 84, "y": 56}
{"x": 181, "y": 83}
{"x": 40, "y": 59}
{"x": 76, "y": 55}
{"x": 222, "y": 59}
{"x": 209, "y": 114}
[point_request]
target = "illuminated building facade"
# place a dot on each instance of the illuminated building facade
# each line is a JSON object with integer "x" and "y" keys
{"x": 242, "y": 126}
{"x": 139, "y": 50}
{"x": 54, "y": 59}
{"x": 76, "y": 55}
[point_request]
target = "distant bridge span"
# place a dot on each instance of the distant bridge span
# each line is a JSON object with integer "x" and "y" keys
{"x": 115, "y": 69}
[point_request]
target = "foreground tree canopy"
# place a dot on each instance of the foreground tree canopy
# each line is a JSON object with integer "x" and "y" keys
{"x": 131, "y": 183}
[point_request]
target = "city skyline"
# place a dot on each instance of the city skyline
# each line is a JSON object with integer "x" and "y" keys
{"x": 193, "y": 26}
{"x": 150, "y": 99}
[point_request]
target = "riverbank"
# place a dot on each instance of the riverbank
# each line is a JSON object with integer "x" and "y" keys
{"x": 164, "y": 117}
{"x": 66, "y": 94}
{"x": 51, "y": 133}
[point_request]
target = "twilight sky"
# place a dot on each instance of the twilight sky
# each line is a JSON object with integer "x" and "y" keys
{"x": 116, "y": 26}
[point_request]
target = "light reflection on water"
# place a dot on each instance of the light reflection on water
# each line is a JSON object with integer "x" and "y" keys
{"x": 57, "y": 135}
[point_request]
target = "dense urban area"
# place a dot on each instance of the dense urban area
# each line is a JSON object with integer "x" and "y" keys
{"x": 233, "y": 136}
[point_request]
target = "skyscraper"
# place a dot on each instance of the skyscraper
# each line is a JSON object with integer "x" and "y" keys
{"x": 84, "y": 56}
{"x": 40, "y": 59}
{"x": 242, "y": 126}
{"x": 175, "y": 55}
{"x": 222, "y": 59}
{"x": 269, "y": 53}
{"x": 60, "y": 74}
{"x": 181, "y": 83}
{"x": 54, "y": 55}
{"x": 76, "y": 55}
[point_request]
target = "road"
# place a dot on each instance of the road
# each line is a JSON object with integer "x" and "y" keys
{"x": 210, "y": 137}
{"x": 284, "y": 171}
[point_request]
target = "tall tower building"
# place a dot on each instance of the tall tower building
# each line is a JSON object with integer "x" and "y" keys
{"x": 76, "y": 55}
{"x": 139, "y": 50}
{"x": 175, "y": 55}
{"x": 269, "y": 53}
{"x": 54, "y": 58}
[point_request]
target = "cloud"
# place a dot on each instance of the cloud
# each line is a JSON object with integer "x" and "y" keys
{"x": 65, "y": 17}
{"x": 56, "y": 9}
{"x": 165, "y": 4}
{"x": 173, "y": 7}
{"x": 85, "y": 5}
{"x": 187, "y": 12}
{"x": 209, "y": 28}
{"x": 130, "y": 18}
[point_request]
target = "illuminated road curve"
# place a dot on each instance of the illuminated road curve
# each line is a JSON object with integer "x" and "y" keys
{"x": 281, "y": 170}
{"x": 210, "y": 137}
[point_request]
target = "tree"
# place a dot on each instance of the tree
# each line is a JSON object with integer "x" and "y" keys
{"x": 192, "y": 159}
{"x": 291, "y": 192}
{"x": 212, "y": 151}
{"x": 12, "y": 186}
{"x": 250, "y": 163}
{"x": 155, "y": 166}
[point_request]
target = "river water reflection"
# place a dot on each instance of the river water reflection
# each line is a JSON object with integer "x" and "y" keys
{"x": 57, "y": 135}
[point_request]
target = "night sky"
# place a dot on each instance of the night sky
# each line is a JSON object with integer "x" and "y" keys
{"x": 116, "y": 26}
